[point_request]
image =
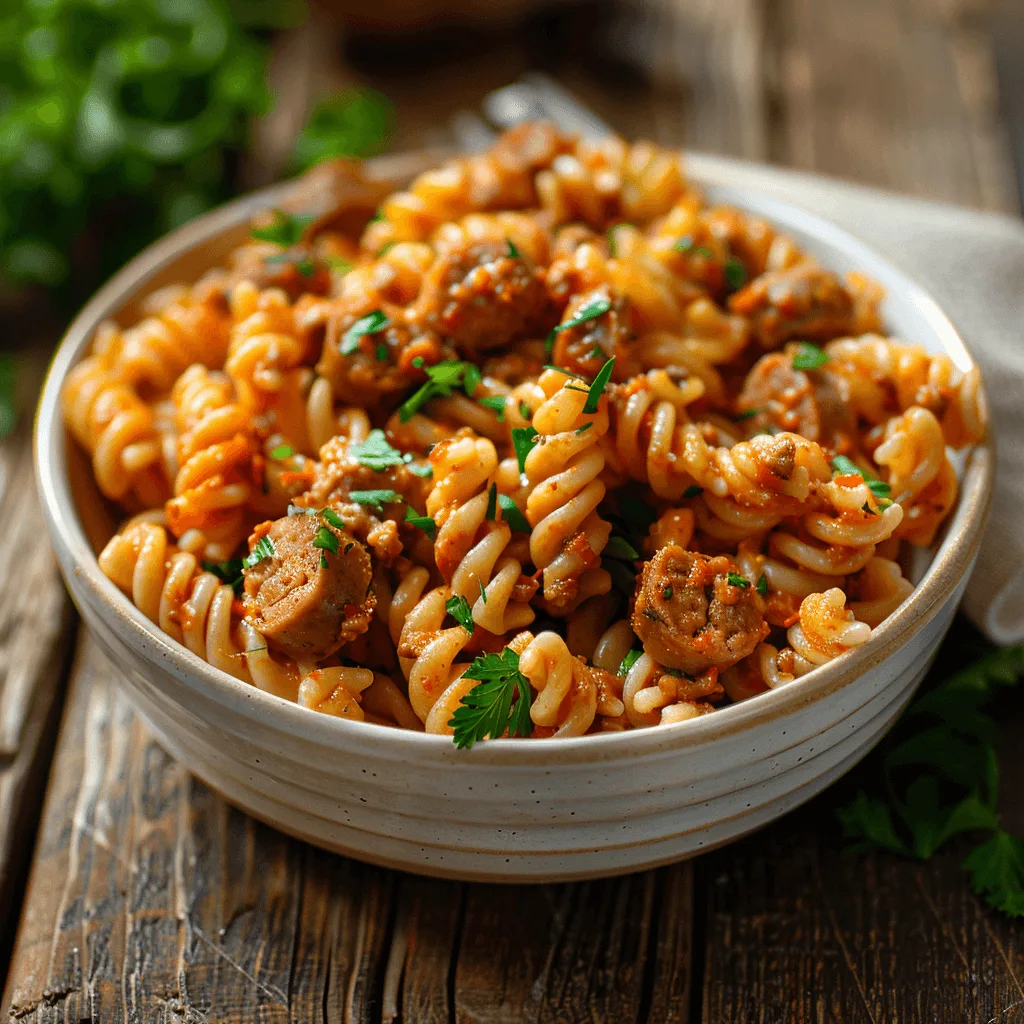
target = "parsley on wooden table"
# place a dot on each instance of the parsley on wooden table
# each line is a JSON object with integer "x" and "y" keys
{"x": 941, "y": 779}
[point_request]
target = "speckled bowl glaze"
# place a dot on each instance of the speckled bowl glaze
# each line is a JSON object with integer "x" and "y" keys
{"x": 507, "y": 810}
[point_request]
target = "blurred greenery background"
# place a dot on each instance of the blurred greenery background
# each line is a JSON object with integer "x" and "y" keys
{"x": 129, "y": 117}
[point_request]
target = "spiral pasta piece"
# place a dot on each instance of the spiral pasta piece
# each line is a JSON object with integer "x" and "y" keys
{"x": 566, "y": 700}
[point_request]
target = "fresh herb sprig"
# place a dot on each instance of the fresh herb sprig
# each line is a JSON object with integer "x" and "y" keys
{"x": 442, "y": 379}
{"x": 941, "y": 780}
{"x": 596, "y": 307}
{"x": 879, "y": 488}
{"x": 499, "y": 703}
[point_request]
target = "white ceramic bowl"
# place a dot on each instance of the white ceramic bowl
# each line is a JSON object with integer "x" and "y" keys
{"x": 507, "y": 810}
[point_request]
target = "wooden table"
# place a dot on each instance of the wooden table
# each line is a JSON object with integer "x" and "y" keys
{"x": 150, "y": 899}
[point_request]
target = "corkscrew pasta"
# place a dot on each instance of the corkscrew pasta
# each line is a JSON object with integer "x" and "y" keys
{"x": 548, "y": 447}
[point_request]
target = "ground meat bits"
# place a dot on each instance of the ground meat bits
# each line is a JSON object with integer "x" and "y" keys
{"x": 690, "y": 617}
{"x": 483, "y": 296}
{"x": 304, "y": 608}
{"x": 804, "y": 301}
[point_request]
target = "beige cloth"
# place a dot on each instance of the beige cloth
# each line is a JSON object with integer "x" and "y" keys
{"x": 971, "y": 263}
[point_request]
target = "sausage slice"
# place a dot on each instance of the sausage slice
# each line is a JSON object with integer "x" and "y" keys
{"x": 304, "y": 608}
{"x": 690, "y": 617}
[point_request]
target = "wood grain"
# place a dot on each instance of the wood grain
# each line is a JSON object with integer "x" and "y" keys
{"x": 35, "y": 626}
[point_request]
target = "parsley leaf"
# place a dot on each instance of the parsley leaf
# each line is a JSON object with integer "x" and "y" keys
{"x": 327, "y": 540}
{"x": 735, "y": 273}
{"x": 499, "y": 704}
{"x": 229, "y": 572}
{"x": 376, "y": 453}
{"x": 264, "y": 548}
{"x": 747, "y": 414}
{"x": 441, "y": 378}
{"x": 369, "y": 324}
{"x": 511, "y": 514}
{"x": 997, "y": 872}
{"x": 847, "y": 467}
{"x": 282, "y": 451}
{"x": 809, "y": 357}
{"x": 525, "y": 411}
{"x": 497, "y": 403}
{"x": 523, "y": 439}
{"x": 420, "y": 469}
{"x": 285, "y": 230}
{"x": 513, "y": 252}
{"x": 737, "y": 580}
{"x": 596, "y": 307}
{"x": 424, "y": 523}
{"x": 693, "y": 490}
{"x": 492, "y": 503}
{"x": 458, "y": 608}
{"x": 761, "y": 586}
{"x": 600, "y": 381}
{"x": 8, "y": 379}
{"x": 631, "y": 658}
{"x": 375, "y": 499}
{"x": 333, "y": 518}
{"x": 619, "y": 547}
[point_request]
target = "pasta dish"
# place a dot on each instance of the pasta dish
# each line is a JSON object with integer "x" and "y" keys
{"x": 544, "y": 445}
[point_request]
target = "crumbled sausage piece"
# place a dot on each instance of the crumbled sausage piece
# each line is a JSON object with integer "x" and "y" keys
{"x": 482, "y": 297}
{"x": 804, "y": 301}
{"x": 690, "y": 617}
{"x": 305, "y": 600}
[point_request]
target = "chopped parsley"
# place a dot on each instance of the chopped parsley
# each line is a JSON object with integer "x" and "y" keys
{"x": 619, "y": 547}
{"x": 333, "y": 518}
{"x": 375, "y": 499}
{"x": 600, "y": 382}
{"x": 365, "y": 325}
{"x": 264, "y": 548}
{"x": 847, "y": 467}
{"x": 416, "y": 469}
{"x": 761, "y": 586}
{"x": 736, "y": 580}
{"x": 747, "y": 414}
{"x": 513, "y": 252}
{"x": 483, "y": 593}
{"x": 631, "y": 658}
{"x": 667, "y": 593}
{"x": 229, "y": 572}
{"x": 497, "y": 403}
{"x": 375, "y": 453}
{"x": 282, "y": 451}
{"x": 735, "y": 273}
{"x": 337, "y": 264}
{"x": 327, "y": 540}
{"x": 385, "y": 249}
{"x": 441, "y": 379}
{"x": 418, "y": 362}
{"x": 285, "y": 230}
{"x": 511, "y": 514}
{"x": 584, "y": 428}
{"x": 591, "y": 311}
{"x": 382, "y": 352}
{"x": 525, "y": 411}
{"x": 323, "y": 561}
{"x": 523, "y": 439}
{"x": 424, "y": 523}
{"x": 500, "y": 703}
{"x": 492, "y": 502}
{"x": 303, "y": 264}
{"x": 693, "y": 490}
{"x": 809, "y": 357}
{"x": 685, "y": 245}
{"x": 458, "y": 608}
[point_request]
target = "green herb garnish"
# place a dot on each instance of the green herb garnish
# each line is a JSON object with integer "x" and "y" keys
{"x": 425, "y": 470}
{"x": 441, "y": 379}
{"x": 525, "y": 411}
{"x": 631, "y": 658}
{"x": 591, "y": 311}
{"x": 747, "y": 414}
{"x": 424, "y": 523}
{"x": 523, "y": 439}
{"x": 667, "y": 593}
{"x": 282, "y": 451}
{"x": 809, "y": 357}
{"x": 761, "y": 586}
{"x": 285, "y": 230}
{"x": 369, "y": 324}
{"x": 375, "y": 499}
{"x": 600, "y": 382}
{"x": 735, "y": 273}
{"x": 264, "y": 548}
{"x": 327, "y": 540}
{"x": 619, "y": 547}
{"x": 492, "y": 503}
{"x": 847, "y": 467}
{"x": 693, "y": 490}
{"x": 497, "y": 403}
{"x": 510, "y": 514}
{"x": 499, "y": 704}
{"x": 513, "y": 252}
{"x": 584, "y": 428}
{"x": 229, "y": 572}
{"x": 8, "y": 379}
{"x": 376, "y": 453}
{"x": 333, "y": 518}
{"x": 458, "y": 608}
{"x": 483, "y": 593}
{"x": 736, "y": 580}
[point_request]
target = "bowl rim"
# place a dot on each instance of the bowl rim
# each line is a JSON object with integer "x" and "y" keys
{"x": 954, "y": 558}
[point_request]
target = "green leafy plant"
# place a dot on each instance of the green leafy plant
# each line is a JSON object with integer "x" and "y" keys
{"x": 355, "y": 123}
{"x": 941, "y": 779}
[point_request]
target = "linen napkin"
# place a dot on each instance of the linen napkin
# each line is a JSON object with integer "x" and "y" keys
{"x": 972, "y": 263}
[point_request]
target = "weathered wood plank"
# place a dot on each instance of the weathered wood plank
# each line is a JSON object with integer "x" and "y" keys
{"x": 36, "y": 624}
